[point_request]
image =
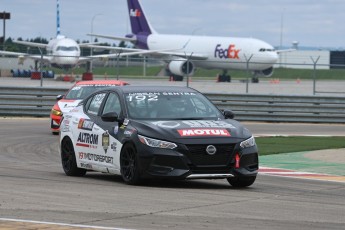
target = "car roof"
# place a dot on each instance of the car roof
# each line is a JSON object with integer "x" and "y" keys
{"x": 102, "y": 82}
{"x": 142, "y": 89}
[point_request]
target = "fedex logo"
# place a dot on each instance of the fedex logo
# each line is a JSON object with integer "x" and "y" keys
{"x": 230, "y": 52}
{"x": 134, "y": 13}
{"x": 203, "y": 132}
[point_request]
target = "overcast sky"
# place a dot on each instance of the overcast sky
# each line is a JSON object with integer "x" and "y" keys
{"x": 317, "y": 23}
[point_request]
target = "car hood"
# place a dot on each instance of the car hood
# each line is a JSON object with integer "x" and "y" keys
{"x": 193, "y": 131}
{"x": 66, "y": 105}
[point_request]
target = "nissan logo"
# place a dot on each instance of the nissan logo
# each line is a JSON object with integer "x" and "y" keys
{"x": 211, "y": 150}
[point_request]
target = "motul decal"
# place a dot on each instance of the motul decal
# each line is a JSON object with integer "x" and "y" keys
{"x": 203, "y": 132}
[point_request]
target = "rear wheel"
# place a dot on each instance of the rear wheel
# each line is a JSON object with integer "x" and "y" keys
{"x": 68, "y": 160}
{"x": 129, "y": 165}
{"x": 240, "y": 182}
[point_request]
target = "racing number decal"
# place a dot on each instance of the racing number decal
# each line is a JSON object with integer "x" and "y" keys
{"x": 143, "y": 97}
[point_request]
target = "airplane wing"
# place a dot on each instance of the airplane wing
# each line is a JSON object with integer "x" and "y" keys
{"x": 157, "y": 53}
{"x": 34, "y": 44}
{"x": 285, "y": 51}
{"x": 113, "y": 37}
{"x": 119, "y": 53}
{"x": 122, "y": 54}
{"x": 88, "y": 44}
{"x": 23, "y": 56}
{"x": 192, "y": 56}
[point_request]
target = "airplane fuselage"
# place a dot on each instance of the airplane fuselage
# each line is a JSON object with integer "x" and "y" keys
{"x": 63, "y": 52}
{"x": 220, "y": 52}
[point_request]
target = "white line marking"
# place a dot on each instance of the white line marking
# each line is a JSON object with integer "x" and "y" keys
{"x": 62, "y": 224}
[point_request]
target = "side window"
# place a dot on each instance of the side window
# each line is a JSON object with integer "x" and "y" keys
{"x": 112, "y": 104}
{"x": 95, "y": 104}
{"x": 200, "y": 107}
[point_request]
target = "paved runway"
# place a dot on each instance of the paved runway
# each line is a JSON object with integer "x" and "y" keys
{"x": 266, "y": 85}
{"x": 34, "y": 187}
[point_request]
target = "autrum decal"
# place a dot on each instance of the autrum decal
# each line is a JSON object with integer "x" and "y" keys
{"x": 203, "y": 132}
{"x": 85, "y": 124}
{"x": 87, "y": 140}
{"x": 227, "y": 53}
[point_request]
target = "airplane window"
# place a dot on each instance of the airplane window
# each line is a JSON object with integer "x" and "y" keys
{"x": 266, "y": 50}
{"x": 65, "y": 48}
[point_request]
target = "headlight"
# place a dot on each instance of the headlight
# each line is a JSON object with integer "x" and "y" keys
{"x": 156, "y": 143}
{"x": 56, "y": 112}
{"x": 248, "y": 143}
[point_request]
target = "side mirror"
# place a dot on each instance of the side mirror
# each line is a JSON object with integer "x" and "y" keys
{"x": 59, "y": 97}
{"x": 110, "y": 117}
{"x": 228, "y": 114}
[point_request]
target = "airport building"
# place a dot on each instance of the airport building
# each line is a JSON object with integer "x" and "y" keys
{"x": 306, "y": 58}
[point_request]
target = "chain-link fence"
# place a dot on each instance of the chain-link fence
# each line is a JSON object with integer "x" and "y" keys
{"x": 311, "y": 72}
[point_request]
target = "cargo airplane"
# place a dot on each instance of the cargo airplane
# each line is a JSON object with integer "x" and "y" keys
{"x": 191, "y": 51}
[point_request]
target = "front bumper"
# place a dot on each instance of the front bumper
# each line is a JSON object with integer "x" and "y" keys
{"x": 192, "y": 162}
{"x": 55, "y": 123}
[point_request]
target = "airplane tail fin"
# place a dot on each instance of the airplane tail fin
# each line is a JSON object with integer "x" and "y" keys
{"x": 57, "y": 18}
{"x": 139, "y": 23}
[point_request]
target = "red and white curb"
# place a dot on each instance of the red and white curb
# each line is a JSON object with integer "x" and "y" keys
{"x": 301, "y": 175}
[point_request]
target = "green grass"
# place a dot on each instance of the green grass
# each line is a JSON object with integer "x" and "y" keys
{"x": 279, "y": 73}
{"x": 276, "y": 145}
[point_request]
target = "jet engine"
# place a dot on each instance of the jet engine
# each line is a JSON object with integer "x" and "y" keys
{"x": 265, "y": 73}
{"x": 181, "y": 67}
{"x": 21, "y": 60}
{"x": 105, "y": 60}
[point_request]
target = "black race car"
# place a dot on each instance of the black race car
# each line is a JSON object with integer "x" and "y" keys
{"x": 156, "y": 132}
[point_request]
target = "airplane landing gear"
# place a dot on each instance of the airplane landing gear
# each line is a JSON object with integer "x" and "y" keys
{"x": 224, "y": 77}
{"x": 255, "y": 79}
{"x": 174, "y": 77}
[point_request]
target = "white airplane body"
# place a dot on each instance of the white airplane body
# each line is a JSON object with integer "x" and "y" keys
{"x": 63, "y": 52}
{"x": 60, "y": 52}
{"x": 210, "y": 52}
{"x": 217, "y": 52}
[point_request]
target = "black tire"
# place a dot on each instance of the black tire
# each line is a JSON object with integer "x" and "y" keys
{"x": 68, "y": 159}
{"x": 129, "y": 165}
{"x": 240, "y": 182}
{"x": 177, "y": 78}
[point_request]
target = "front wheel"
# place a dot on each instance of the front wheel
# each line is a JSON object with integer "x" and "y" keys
{"x": 240, "y": 182}
{"x": 68, "y": 160}
{"x": 129, "y": 165}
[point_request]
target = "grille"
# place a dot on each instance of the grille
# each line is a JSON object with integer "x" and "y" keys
{"x": 199, "y": 157}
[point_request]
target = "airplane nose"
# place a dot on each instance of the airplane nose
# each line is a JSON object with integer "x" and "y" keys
{"x": 68, "y": 58}
{"x": 275, "y": 57}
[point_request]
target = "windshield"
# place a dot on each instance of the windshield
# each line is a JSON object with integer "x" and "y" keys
{"x": 170, "y": 105}
{"x": 82, "y": 91}
{"x": 67, "y": 48}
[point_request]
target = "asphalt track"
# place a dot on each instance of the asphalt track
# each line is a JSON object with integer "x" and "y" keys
{"x": 35, "y": 193}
